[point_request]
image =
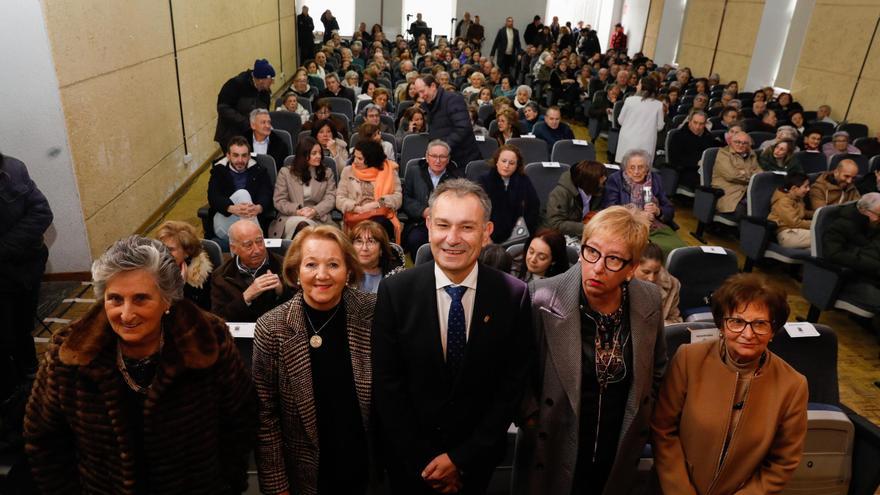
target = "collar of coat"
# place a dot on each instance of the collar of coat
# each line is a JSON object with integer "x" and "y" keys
{"x": 224, "y": 162}
{"x": 190, "y": 338}
{"x": 198, "y": 269}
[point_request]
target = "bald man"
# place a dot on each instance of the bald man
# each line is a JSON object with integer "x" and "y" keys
{"x": 835, "y": 187}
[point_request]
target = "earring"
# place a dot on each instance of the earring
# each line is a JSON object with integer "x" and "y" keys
{"x": 168, "y": 311}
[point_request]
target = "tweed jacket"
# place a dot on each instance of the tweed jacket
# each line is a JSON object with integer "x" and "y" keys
{"x": 554, "y": 402}
{"x": 692, "y": 416}
{"x": 289, "y": 197}
{"x": 287, "y": 449}
{"x": 731, "y": 174}
{"x": 199, "y": 416}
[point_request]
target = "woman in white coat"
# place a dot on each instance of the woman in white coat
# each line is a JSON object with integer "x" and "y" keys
{"x": 641, "y": 118}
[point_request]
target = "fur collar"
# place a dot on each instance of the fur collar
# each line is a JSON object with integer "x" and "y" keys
{"x": 198, "y": 269}
{"x": 190, "y": 337}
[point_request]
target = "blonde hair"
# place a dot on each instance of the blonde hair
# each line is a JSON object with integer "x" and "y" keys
{"x": 293, "y": 258}
{"x": 624, "y": 222}
{"x": 185, "y": 235}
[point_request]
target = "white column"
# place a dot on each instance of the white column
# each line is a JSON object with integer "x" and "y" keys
{"x": 670, "y": 31}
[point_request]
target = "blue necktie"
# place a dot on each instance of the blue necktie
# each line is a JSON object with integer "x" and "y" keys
{"x": 456, "y": 336}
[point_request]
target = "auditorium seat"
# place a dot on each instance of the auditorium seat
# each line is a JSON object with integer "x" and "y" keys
{"x": 700, "y": 272}
{"x": 570, "y": 152}
{"x": 532, "y": 149}
{"x": 758, "y": 234}
{"x": 706, "y": 198}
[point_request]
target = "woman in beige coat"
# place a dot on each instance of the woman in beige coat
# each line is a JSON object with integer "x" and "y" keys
{"x": 789, "y": 211}
{"x": 305, "y": 191}
{"x": 734, "y": 166}
{"x": 370, "y": 189}
{"x": 732, "y": 416}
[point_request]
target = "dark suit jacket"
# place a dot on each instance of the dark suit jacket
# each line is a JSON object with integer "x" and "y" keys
{"x": 343, "y": 93}
{"x": 418, "y": 187}
{"x": 278, "y": 148}
{"x": 422, "y": 409}
{"x": 500, "y": 43}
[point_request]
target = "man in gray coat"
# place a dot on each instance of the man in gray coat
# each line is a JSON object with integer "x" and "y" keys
{"x": 601, "y": 355}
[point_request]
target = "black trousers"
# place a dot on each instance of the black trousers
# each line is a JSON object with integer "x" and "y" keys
{"x": 506, "y": 63}
{"x": 17, "y": 317}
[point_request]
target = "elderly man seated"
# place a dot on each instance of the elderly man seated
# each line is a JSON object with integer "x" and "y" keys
{"x": 853, "y": 241}
{"x": 430, "y": 171}
{"x": 238, "y": 189}
{"x": 248, "y": 284}
{"x": 265, "y": 140}
{"x": 333, "y": 88}
{"x": 734, "y": 166}
{"x": 835, "y": 187}
{"x": 687, "y": 145}
{"x": 555, "y": 129}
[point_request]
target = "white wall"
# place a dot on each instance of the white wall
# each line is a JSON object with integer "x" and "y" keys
{"x": 670, "y": 31}
{"x": 33, "y": 129}
{"x": 634, "y": 17}
{"x": 797, "y": 33}
{"x": 769, "y": 43}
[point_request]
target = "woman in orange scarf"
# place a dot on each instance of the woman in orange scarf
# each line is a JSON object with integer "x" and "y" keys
{"x": 370, "y": 189}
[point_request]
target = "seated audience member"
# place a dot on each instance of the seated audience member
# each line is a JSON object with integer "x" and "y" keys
{"x": 370, "y": 189}
{"x": 531, "y": 116}
{"x": 735, "y": 164}
{"x": 381, "y": 98}
{"x": 576, "y": 198}
{"x": 823, "y": 114}
{"x": 497, "y": 257}
{"x": 728, "y": 116}
{"x": 248, "y": 284}
{"x": 523, "y": 96}
{"x": 182, "y": 241}
{"x": 366, "y": 90}
{"x": 305, "y": 191}
{"x": 759, "y": 106}
{"x": 813, "y": 140}
{"x": 264, "y": 140}
{"x": 602, "y": 106}
{"x": 477, "y": 81}
{"x": 507, "y": 126}
{"x": 554, "y": 129}
{"x": 768, "y": 121}
{"x": 412, "y": 122}
{"x": 784, "y": 132}
{"x": 420, "y": 183}
{"x": 871, "y": 147}
{"x": 635, "y": 184}
{"x": 544, "y": 255}
{"x": 688, "y": 145}
{"x": 785, "y": 106}
{"x": 301, "y": 87}
{"x": 335, "y": 89}
{"x": 238, "y": 188}
{"x": 504, "y": 88}
{"x": 511, "y": 192}
{"x": 651, "y": 269}
{"x": 373, "y": 114}
{"x": 701, "y": 102}
{"x": 484, "y": 97}
{"x": 853, "y": 239}
{"x": 479, "y": 130}
{"x": 290, "y": 103}
{"x": 779, "y": 157}
{"x": 796, "y": 118}
{"x": 378, "y": 258}
{"x": 731, "y": 415}
{"x": 870, "y": 182}
{"x": 332, "y": 144}
{"x": 371, "y": 131}
{"x": 840, "y": 145}
{"x": 352, "y": 81}
{"x": 563, "y": 85}
{"x": 789, "y": 211}
{"x": 835, "y": 187}
{"x": 322, "y": 112}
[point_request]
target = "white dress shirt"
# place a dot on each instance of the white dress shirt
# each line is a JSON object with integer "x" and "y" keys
{"x": 444, "y": 301}
{"x": 260, "y": 147}
{"x": 508, "y": 50}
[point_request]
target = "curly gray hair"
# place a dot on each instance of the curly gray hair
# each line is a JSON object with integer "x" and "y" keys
{"x": 139, "y": 253}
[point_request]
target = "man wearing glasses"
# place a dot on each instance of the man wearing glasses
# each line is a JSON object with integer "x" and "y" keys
{"x": 419, "y": 182}
{"x": 247, "y": 91}
{"x": 734, "y": 166}
{"x": 601, "y": 355}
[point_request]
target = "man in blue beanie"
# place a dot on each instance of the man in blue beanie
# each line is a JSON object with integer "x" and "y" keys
{"x": 247, "y": 91}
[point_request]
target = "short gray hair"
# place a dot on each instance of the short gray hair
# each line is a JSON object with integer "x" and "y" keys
{"x": 869, "y": 202}
{"x": 139, "y": 253}
{"x": 257, "y": 112}
{"x": 350, "y": 74}
{"x": 525, "y": 88}
{"x": 439, "y": 142}
{"x": 629, "y": 155}
{"x": 461, "y": 188}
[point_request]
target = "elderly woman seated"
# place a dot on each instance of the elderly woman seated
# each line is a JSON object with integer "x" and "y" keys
{"x": 732, "y": 416}
{"x": 477, "y": 81}
{"x": 182, "y": 241}
{"x": 370, "y": 189}
{"x": 635, "y": 184}
{"x": 145, "y": 393}
{"x": 840, "y": 145}
{"x": 290, "y": 103}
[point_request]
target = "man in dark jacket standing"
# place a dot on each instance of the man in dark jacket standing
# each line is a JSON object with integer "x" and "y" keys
{"x": 249, "y": 90}
{"x": 507, "y": 46}
{"x": 24, "y": 217}
{"x": 532, "y": 30}
{"x": 305, "y": 35}
{"x": 448, "y": 119}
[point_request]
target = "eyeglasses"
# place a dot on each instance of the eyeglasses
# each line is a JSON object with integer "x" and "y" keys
{"x": 438, "y": 157}
{"x": 738, "y": 325}
{"x": 612, "y": 263}
{"x": 744, "y": 143}
{"x": 359, "y": 243}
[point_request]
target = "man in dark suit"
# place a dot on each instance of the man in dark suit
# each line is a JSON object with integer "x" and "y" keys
{"x": 450, "y": 351}
{"x": 507, "y": 45}
{"x": 334, "y": 89}
{"x": 448, "y": 119}
{"x": 265, "y": 140}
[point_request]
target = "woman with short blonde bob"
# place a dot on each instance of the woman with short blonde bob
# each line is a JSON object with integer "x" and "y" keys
{"x": 312, "y": 372}
{"x": 184, "y": 244}
{"x": 732, "y": 416}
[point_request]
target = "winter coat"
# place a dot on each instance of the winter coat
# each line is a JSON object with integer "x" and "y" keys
{"x": 353, "y": 191}
{"x": 852, "y": 242}
{"x": 198, "y": 280}
{"x": 448, "y": 119}
{"x": 731, "y": 174}
{"x": 199, "y": 416}
{"x": 24, "y": 217}
{"x": 518, "y": 199}
{"x": 289, "y": 197}
{"x": 788, "y": 212}
{"x": 228, "y": 284}
{"x": 826, "y": 191}
{"x": 237, "y": 98}
{"x": 565, "y": 207}
{"x": 221, "y": 186}
{"x": 617, "y": 193}
{"x": 418, "y": 188}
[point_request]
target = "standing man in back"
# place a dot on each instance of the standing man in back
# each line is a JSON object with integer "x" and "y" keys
{"x": 507, "y": 46}
{"x": 448, "y": 120}
{"x": 451, "y": 343}
{"x": 247, "y": 91}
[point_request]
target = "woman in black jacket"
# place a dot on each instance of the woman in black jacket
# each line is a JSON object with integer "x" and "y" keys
{"x": 330, "y": 24}
{"x": 511, "y": 191}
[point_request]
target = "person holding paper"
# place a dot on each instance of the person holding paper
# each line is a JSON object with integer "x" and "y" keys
{"x": 238, "y": 189}
{"x": 732, "y": 416}
{"x": 248, "y": 284}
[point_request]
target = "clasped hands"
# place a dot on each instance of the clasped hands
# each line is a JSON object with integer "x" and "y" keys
{"x": 372, "y": 205}
{"x": 265, "y": 282}
{"x": 245, "y": 210}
